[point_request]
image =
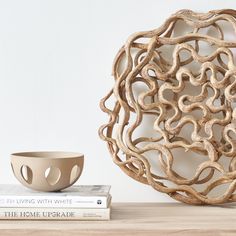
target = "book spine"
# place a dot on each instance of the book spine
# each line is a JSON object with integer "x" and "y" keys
{"x": 59, "y": 202}
{"x": 54, "y": 214}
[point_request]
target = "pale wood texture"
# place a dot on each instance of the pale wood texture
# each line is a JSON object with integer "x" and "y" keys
{"x": 201, "y": 57}
{"x": 130, "y": 219}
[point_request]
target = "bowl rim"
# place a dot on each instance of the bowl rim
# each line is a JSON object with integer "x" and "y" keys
{"x": 48, "y": 154}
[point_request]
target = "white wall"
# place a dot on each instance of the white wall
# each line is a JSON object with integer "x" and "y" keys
{"x": 55, "y": 66}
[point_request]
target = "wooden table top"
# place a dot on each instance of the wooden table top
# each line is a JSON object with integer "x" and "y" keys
{"x": 138, "y": 219}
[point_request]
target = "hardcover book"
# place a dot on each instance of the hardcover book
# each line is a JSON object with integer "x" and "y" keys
{"x": 54, "y": 214}
{"x": 80, "y": 196}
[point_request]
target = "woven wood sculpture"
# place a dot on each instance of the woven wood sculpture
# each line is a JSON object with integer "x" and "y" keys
{"x": 164, "y": 96}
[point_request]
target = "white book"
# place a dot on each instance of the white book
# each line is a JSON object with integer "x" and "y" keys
{"x": 55, "y": 214}
{"x": 80, "y": 196}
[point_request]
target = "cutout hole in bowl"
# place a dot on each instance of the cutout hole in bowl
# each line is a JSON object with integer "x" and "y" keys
{"x": 74, "y": 173}
{"x": 12, "y": 169}
{"x": 52, "y": 175}
{"x": 26, "y": 173}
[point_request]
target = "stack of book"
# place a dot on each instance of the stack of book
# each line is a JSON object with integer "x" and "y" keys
{"x": 85, "y": 202}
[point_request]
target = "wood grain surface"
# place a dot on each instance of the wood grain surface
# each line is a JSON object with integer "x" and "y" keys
{"x": 138, "y": 219}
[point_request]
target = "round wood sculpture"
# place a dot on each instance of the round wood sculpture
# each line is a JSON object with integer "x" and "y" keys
{"x": 202, "y": 58}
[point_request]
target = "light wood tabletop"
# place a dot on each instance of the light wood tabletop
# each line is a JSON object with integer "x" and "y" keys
{"x": 138, "y": 219}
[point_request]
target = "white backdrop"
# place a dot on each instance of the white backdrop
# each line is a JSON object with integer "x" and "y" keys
{"x": 55, "y": 66}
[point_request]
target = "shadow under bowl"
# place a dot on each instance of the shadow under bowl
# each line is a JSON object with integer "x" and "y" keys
{"x": 47, "y": 171}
